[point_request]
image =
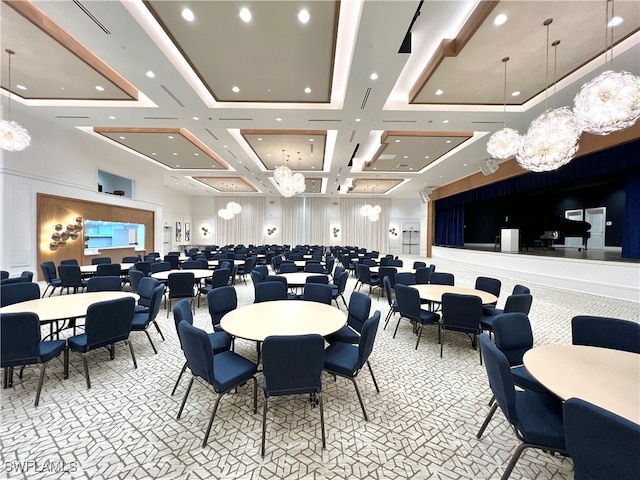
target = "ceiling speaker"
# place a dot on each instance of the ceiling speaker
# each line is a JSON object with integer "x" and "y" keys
{"x": 489, "y": 166}
{"x": 424, "y": 196}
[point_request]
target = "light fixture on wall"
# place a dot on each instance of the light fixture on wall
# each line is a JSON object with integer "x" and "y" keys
{"x": 205, "y": 231}
{"x": 610, "y": 102}
{"x": 61, "y": 235}
{"x": 504, "y": 143}
{"x": 13, "y": 136}
{"x": 336, "y": 231}
{"x": 290, "y": 183}
{"x": 271, "y": 230}
{"x": 552, "y": 139}
{"x": 393, "y": 232}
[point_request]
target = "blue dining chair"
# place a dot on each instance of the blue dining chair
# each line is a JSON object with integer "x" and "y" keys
{"x": 104, "y": 284}
{"x": 50, "y": 276}
{"x": 221, "y": 300}
{"x": 224, "y": 371}
{"x": 461, "y": 313}
{"x": 21, "y": 345}
{"x": 292, "y": 365}
{"x": 606, "y": 332}
{"x": 143, "y": 320}
{"x": 408, "y": 299}
{"x": 317, "y": 292}
{"x": 269, "y": 291}
{"x": 18, "y": 292}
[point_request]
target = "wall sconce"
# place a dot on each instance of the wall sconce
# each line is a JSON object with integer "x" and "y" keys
{"x": 393, "y": 232}
{"x": 335, "y": 232}
{"x": 59, "y": 236}
{"x": 205, "y": 231}
{"x": 271, "y": 231}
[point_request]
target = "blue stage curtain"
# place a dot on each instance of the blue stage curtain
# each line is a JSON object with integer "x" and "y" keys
{"x": 450, "y": 226}
{"x": 631, "y": 232}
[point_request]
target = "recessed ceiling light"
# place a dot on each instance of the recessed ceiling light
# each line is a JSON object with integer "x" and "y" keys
{"x": 427, "y": 156}
{"x": 278, "y": 119}
{"x": 153, "y": 153}
{"x": 516, "y": 93}
{"x": 439, "y": 92}
{"x": 259, "y": 139}
{"x": 121, "y": 137}
{"x": 61, "y": 88}
{"x": 615, "y": 21}
{"x": 445, "y": 121}
{"x": 304, "y": 16}
{"x": 150, "y": 74}
{"x": 196, "y": 118}
{"x": 235, "y": 89}
{"x": 500, "y": 19}
{"x": 398, "y": 141}
{"x": 307, "y": 90}
{"x": 373, "y": 76}
{"x": 99, "y": 88}
{"x": 177, "y": 165}
{"x": 448, "y": 141}
{"x": 188, "y": 15}
{"x": 245, "y": 15}
{"x": 357, "y": 119}
{"x": 196, "y": 154}
{"x": 21, "y": 87}
{"x": 311, "y": 139}
{"x": 406, "y": 156}
{"x": 170, "y": 137}
{"x": 174, "y": 154}
{"x": 465, "y": 164}
{"x": 111, "y": 117}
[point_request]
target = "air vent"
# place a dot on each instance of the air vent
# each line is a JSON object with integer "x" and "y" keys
{"x": 232, "y": 154}
{"x": 247, "y": 169}
{"x": 353, "y": 134}
{"x": 70, "y": 116}
{"x": 92, "y": 17}
{"x": 399, "y": 121}
{"x": 402, "y": 165}
{"x": 311, "y": 148}
{"x": 170, "y": 93}
{"x": 161, "y": 118}
{"x": 324, "y": 120}
{"x": 211, "y": 133}
{"x": 233, "y": 118}
{"x": 387, "y": 156}
{"x": 365, "y": 98}
{"x": 176, "y": 178}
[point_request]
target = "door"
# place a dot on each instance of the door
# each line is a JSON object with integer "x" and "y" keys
{"x": 166, "y": 239}
{"x": 597, "y": 218}
{"x": 573, "y": 242}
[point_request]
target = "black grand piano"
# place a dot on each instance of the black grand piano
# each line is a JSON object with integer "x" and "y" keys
{"x": 542, "y": 232}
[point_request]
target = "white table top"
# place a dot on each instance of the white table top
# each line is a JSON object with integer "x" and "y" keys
{"x": 61, "y": 307}
{"x": 603, "y": 376}
{"x": 215, "y": 263}
{"x": 298, "y": 279}
{"x": 283, "y": 317}
{"x": 433, "y": 293}
{"x": 124, "y": 267}
{"x": 198, "y": 274}
{"x": 398, "y": 269}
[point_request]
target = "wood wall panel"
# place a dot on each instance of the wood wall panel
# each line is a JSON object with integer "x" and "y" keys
{"x": 53, "y": 210}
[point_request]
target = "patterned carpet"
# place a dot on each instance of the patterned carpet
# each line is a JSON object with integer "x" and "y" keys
{"x": 422, "y": 423}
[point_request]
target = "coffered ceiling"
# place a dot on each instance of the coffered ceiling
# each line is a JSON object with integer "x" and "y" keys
{"x": 217, "y": 96}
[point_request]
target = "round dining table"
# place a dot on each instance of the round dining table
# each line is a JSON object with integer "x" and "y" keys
{"x": 298, "y": 279}
{"x": 92, "y": 269}
{"x": 198, "y": 274}
{"x": 433, "y": 293}
{"x": 257, "y": 321}
{"x": 215, "y": 263}
{"x": 376, "y": 270}
{"x": 605, "y": 377}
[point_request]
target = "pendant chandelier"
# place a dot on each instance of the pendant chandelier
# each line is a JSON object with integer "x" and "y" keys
{"x": 290, "y": 183}
{"x": 611, "y": 101}
{"x": 552, "y": 139}
{"x": 230, "y": 211}
{"x": 371, "y": 212}
{"x": 13, "y": 136}
{"x": 504, "y": 143}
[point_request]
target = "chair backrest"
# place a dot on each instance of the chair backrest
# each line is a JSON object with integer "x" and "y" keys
{"x": 513, "y": 336}
{"x": 263, "y": 270}
{"x": 268, "y": 291}
{"x": 384, "y": 261}
{"x": 359, "y": 307}
{"x": 180, "y": 284}
{"x": 395, "y": 263}
{"x": 288, "y": 267}
{"x": 150, "y": 258}
{"x": 292, "y": 364}
{"x": 130, "y": 259}
{"x": 18, "y": 292}
{"x": 363, "y": 272}
{"x": 256, "y": 277}
{"x": 461, "y": 312}
{"x": 606, "y": 332}
{"x": 191, "y": 265}
{"x": 342, "y": 282}
{"x": 277, "y": 278}
{"x": 602, "y": 444}
{"x": 518, "y": 303}
{"x": 324, "y": 279}
{"x": 488, "y": 284}
{"x": 197, "y": 350}
{"x": 100, "y": 260}
{"x": 160, "y": 267}
{"x": 390, "y": 272}
{"x": 317, "y": 292}
{"x": 220, "y": 277}
{"x": 367, "y": 338}
{"x": 70, "y": 275}
{"x": 408, "y": 299}
{"x": 104, "y": 284}
{"x": 336, "y": 273}
{"x": 182, "y": 312}
{"x": 144, "y": 267}
{"x": 520, "y": 289}
{"x": 225, "y": 264}
{"x": 135, "y": 276}
{"x": 417, "y": 265}
{"x": 500, "y": 378}
{"x": 48, "y": 271}
{"x": 5, "y": 274}
{"x": 108, "y": 322}
{"x": 20, "y": 333}
{"x": 368, "y": 261}
{"x": 330, "y": 262}
{"x": 441, "y": 278}
{"x": 173, "y": 261}
{"x": 108, "y": 269}
{"x": 69, "y": 261}
{"x": 313, "y": 267}
{"x": 221, "y": 300}
{"x": 250, "y": 263}
{"x": 388, "y": 290}
{"x": 145, "y": 290}
{"x": 156, "y": 301}
{"x": 405, "y": 278}
{"x": 422, "y": 275}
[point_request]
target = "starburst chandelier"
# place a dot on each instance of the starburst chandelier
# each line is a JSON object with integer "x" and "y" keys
{"x": 504, "y": 143}
{"x": 13, "y": 136}
{"x": 290, "y": 183}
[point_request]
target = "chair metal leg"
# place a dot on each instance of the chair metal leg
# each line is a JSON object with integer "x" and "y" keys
{"x": 387, "y": 318}
{"x": 186, "y": 394}
{"x": 184, "y": 369}
{"x": 133, "y": 355}
{"x": 150, "y": 341}
{"x": 255, "y": 395}
{"x": 375, "y": 384}
{"x": 420, "y": 329}
{"x": 487, "y": 419}
{"x": 324, "y": 442}
{"x": 66, "y": 362}
{"x": 512, "y": 463}
{"x": 158, "y": 328}
{"x": 40, "y": 380}
{"x": 441, "y": 340}
{"x": 213, "y": 415}
{"x": 364, "y": 412}
{"x": 8, "y": 377}
{"x": 86, "y": 370}
{"x": 112, "y": 351}
{"x": 264, "y": 422}
{"x": 397, "y": 325}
